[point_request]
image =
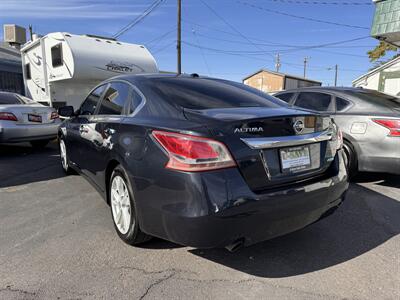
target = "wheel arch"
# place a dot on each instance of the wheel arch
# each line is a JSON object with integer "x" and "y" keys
{"x": 112, "y": 164}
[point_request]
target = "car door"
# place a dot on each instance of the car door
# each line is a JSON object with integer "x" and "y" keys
{"x": 321, "y": 102}
{"x": 79, "y": 124}
{"x": 103, "y": 131}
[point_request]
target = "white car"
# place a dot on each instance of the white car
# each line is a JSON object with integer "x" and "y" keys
{"x": 24, "y": 120}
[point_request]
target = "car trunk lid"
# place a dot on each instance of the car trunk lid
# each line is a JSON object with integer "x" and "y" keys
{"x": 272, "y": 146}
{"x": 32, "y": 114}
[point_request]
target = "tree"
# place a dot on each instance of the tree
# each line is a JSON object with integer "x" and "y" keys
{"x": 380, "y": 51}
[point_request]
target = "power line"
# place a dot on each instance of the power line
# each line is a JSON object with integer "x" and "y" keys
{"x": 320, "y": 2}
{"x": 231, "y": 26}
{"x": 202, "y": 52}
{"x": 238, "y": 53}
{"x": 164, "y": 47}
{"x": 300, "y": 17}
{"x": 273, "y": 44}
{"x": 263, "y": 52}
{"x": 278, "y": 44}
{"x": 160, "y": 38}
{"x": 295, "y": 47}
{"x": 143, "y": 15}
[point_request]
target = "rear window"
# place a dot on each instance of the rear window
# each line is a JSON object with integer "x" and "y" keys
{"x": 376, "y": 98}
{"x": 8, "y": 98}
{"x": 201, "y": 93}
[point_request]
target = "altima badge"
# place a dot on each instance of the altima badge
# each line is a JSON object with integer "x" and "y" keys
{"x": 249, "y": 129}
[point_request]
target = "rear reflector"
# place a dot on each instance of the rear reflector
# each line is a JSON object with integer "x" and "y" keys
{"x": 54, "y": 115}
{"x": 193, "y": 153}
{"x": 392, "y": 124}
{"x": 7, "y": 116}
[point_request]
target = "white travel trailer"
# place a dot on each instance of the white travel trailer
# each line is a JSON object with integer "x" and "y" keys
{"x": 61, "y": 68}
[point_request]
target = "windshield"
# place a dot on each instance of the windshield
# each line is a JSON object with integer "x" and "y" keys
{"x": 203, "y": 93}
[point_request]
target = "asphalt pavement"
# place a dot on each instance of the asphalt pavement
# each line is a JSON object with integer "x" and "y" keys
{"x": 57, "y": 241}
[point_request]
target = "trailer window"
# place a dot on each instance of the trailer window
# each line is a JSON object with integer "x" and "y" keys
{"x": 56, "y": 55}
{"x": 28, "y": 71}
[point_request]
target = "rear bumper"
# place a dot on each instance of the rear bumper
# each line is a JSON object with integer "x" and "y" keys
{"x": 384, "y": 158}
{"x": 13, "y": 133}
{"x": 382, "y": 164}
{"x": 217, "y": 208}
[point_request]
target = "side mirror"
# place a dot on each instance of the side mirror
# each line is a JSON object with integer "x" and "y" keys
{"x": 66, "y": 111}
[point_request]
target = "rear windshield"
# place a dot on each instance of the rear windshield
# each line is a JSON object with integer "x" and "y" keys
{"x": 25, "y": 100}
{"x": 376, "y": 98}
{"x": 8, "y": 98}
{"x": 202, "y": 93}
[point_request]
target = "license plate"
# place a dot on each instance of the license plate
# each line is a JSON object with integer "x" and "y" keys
{"x": 295, "y": 159}
{"x": 35, "y": 118}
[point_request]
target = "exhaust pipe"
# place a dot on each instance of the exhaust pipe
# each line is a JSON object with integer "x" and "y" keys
{"x": 236, "y": 245}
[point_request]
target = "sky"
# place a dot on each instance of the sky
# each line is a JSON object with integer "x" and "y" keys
{"x": 222, "y": 38}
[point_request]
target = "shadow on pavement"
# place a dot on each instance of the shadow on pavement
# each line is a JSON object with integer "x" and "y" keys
{"x": 388, "y": 180}
{"x": 22, "y": 164}
{"x": 366, "y": 220}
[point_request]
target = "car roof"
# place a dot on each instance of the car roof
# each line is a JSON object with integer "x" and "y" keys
{"x": 324, "y": 88}
{"x": 8, "y": 93}
{"x": 133, "y": 77}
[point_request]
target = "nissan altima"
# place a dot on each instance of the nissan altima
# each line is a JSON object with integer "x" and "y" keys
{"x": 203, "y": 162}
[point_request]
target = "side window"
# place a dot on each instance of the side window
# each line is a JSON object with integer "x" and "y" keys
{"x": 341, "y": 104}
{"x": 135, "y": 100}
{"x": 315, "y": 101}
{"x": 56, "y": 55}
{"x": 285, "y": 97}
{"x": 114, "y": 99}
{"x": 88, "y": 106}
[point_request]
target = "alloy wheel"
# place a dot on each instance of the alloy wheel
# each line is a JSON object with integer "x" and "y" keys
{"x": 120, "y": 204}
{"x": 63, "y": 154}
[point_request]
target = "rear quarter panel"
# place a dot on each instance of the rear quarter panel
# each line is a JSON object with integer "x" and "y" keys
{"x": 370, "y": 140}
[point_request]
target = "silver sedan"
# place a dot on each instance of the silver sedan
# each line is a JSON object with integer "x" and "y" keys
{"x": 369, "y": 120}
{"x": 23, "y": 120}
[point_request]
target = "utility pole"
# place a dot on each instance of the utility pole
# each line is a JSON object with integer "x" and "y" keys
{"x": 278, "y": 62}
{"x": 336, "y": 74}
{"x": 178, "y": 41}
{"x": 31, "y": 32}
{"x": 305, "y": 66}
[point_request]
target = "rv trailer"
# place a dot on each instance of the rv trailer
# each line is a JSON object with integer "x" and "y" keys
{"x": 61, "y": 68}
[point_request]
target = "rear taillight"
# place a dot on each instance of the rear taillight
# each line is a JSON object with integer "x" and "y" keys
{"x": 392, "y": 124}
{"x": 54, "y": 115}
{"x": 7, "y": 116}
{"x": 193, "y": 153}
{"x": 337, "y": 137}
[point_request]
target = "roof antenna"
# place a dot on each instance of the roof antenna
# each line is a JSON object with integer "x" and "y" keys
{"x": 194, "y": 75}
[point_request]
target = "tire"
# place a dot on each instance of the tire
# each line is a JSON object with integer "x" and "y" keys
{"x": 123, "y": 209}
{"x": 40, "y": 144}
{"x": 64, "y": 157}
{"x": 350, "y": 159}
